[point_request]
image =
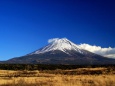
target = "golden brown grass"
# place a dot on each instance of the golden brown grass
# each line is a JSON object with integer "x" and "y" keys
{"x": 46, "y": 78}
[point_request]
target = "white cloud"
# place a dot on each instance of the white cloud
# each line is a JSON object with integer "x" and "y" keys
{"x": 52, "y": 40}
{"x": 107, "y": 52}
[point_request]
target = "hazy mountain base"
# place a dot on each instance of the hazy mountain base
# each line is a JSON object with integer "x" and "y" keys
{"x": 75, "y": 77}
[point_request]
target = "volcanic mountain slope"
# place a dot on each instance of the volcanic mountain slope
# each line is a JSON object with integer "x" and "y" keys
{"x": 62, "y": 51}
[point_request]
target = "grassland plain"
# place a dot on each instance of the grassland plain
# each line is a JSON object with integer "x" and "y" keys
{"x": 74, "y": 77}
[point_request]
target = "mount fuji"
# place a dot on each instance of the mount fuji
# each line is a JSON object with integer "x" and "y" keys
{"x": 62, "y": 51}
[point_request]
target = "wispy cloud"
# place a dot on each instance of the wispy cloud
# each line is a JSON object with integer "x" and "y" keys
{"x": 107, "y": 52}
{"x": 52, "y": 40}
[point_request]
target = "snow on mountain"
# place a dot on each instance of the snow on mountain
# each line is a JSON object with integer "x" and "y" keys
{"x": 62, "y": 44}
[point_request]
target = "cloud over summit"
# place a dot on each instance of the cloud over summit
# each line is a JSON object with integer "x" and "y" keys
{"x": 52, "y": 40}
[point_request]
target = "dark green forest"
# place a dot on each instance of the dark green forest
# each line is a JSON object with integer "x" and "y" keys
{"x": 47, "y": 66}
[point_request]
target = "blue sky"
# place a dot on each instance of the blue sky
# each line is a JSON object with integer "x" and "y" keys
{"x": 26, "y": 25}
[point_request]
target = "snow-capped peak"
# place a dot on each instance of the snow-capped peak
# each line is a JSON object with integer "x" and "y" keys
{"x": 62, "y": 44}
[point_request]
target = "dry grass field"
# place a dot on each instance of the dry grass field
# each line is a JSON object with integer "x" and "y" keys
{"x": 75, "y": 77}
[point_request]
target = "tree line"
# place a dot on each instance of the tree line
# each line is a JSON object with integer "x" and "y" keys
{"x": 46, "y": 66}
